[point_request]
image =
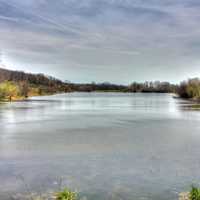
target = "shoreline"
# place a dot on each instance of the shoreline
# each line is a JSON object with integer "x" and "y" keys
{"x": 174, "y": 95}
{"x": 21, "y": 99}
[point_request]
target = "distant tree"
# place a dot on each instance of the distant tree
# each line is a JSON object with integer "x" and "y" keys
{"x": 190, "y": 88}
{"x": 24, "y": 89}
{"x": 193, "y": 88}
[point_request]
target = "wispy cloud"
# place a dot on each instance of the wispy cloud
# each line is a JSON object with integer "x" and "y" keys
{"x": 85, "y": 40}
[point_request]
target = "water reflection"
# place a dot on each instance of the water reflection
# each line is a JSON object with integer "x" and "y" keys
{"x": 106, "y": 145}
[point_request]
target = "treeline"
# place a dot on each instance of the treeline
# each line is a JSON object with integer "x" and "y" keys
{"x": 157, "y": 86}
{"x": 101, "y": 87}
{"x": 18, "y": 85}
{"x": 47, "y": 83}
{"x": 186, "y": 89}
{"x": 18, "y": 76}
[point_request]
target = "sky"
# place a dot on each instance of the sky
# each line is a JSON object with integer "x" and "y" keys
{"x": 119, "y": 41}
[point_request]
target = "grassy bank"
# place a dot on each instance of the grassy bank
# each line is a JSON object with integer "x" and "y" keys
{"x": 16, "y": 91}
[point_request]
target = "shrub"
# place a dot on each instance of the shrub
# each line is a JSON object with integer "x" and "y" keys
{"x": 194, "y": 193}
{"x": 8, "y": 90}
{"x": 190, "y": 89}
{"x": 66, "y": 194}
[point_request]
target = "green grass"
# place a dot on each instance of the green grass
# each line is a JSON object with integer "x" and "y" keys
{"x": 194, "y": 193}
{"x": 66, "y": 194}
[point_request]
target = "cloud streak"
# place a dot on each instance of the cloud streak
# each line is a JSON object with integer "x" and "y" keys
{"x": 86, "y": 40}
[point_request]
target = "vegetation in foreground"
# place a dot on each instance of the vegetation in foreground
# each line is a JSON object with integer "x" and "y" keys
{"x": 194, "y": 193}
{"x": 66, "y": 194}
{"x": 62, "y": 194}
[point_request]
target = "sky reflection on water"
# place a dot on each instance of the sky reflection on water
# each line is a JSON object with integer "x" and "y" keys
{"x": 105, "y": 145}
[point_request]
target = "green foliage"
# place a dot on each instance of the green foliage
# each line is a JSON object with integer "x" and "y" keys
{"x": 8, "y": 90}
{"x": 194, "y": 193}
{"x": 66, "y": 194}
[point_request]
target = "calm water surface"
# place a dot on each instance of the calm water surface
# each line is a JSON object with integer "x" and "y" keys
{"x": 105, "y": 145}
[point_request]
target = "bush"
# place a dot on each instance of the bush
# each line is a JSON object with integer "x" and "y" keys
{"x": 66, "y": 194}
{"x": 8, "y": 90}
{"x": 190, "y": 89}
{"x": 194, "y": 193}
